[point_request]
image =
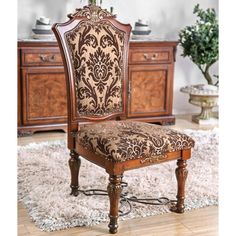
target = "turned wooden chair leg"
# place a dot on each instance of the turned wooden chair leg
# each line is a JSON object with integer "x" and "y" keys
{"x": 114, "y": 189}
{"x": 74, "y": 163}
{"x": 181, "y": 174}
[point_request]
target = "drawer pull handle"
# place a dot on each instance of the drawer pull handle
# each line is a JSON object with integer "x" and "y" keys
{"x": 47, "y": 58}
{"x": 147, "y": 58}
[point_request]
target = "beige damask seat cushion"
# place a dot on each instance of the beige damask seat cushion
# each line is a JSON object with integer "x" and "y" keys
{"x": 120, "y": 141}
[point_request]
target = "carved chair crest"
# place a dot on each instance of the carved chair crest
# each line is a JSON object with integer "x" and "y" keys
{"x": 91, "y": 12}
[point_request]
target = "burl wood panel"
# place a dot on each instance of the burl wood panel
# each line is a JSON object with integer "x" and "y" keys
{"x": 44, "y": 95}
{"x": 148, "y": 90}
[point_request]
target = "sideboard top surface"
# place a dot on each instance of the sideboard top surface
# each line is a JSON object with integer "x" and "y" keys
{"x": 136, "y": 43}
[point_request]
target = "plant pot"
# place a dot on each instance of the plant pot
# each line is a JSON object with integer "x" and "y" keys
{"x": 206, "y": 97}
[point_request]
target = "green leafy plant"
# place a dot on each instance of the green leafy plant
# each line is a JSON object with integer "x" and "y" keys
{"x": 200, "y": 42}
{"x": 92, "y": 1}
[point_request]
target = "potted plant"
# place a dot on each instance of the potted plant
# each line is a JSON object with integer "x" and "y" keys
{"x": 92, "y": 2}
{"x": 200, "y": 44}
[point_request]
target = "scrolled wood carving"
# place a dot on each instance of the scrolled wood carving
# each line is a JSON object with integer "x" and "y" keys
{"x": 91, "y": 12}
{"x": 152, "y": 159}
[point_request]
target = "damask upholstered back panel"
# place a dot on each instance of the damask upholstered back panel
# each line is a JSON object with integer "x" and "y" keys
{"x": 96, "y": 49}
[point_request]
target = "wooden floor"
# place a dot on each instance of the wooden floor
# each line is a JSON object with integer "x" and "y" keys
{"x": 201, "y": 222}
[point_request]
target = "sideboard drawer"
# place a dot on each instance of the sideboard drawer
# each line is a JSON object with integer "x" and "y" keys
{"x": 41, "y": 57}
{"x": 150, "y": 55}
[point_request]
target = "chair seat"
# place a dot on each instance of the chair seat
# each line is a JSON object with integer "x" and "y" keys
{"x": 120, "y": 141}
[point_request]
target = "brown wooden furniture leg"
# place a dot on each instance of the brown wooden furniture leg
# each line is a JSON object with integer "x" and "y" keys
{"x": 21, "y": 133}
{"x": 74, "y": 164}
{"x": 114, "y": 189}
{"x": 181, "y": 175}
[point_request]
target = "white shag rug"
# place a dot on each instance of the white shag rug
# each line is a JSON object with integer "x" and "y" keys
{"x": 44, "y": 179}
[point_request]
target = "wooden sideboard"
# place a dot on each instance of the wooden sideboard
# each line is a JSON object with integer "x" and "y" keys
{"x": 42, "y": 88}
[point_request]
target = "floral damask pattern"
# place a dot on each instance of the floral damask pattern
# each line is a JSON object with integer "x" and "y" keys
{"x": 120, "y": 141}
{"x": 97, "y": 51}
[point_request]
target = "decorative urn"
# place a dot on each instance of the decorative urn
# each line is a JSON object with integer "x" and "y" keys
{"x": 206, "y": 97}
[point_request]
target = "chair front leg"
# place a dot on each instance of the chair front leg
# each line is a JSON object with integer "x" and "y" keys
{"x": 74, "y": 163}
{"x": 181, "y": 175}
{"x": 114, "y": 189}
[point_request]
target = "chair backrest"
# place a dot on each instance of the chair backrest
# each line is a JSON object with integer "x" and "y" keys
{"x": 94, "y": 48}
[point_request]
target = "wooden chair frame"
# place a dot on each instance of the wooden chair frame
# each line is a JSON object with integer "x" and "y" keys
{"x": 114, "y": 169}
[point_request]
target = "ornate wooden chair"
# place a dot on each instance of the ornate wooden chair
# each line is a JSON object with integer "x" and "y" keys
{"x": 94, "y": 48}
